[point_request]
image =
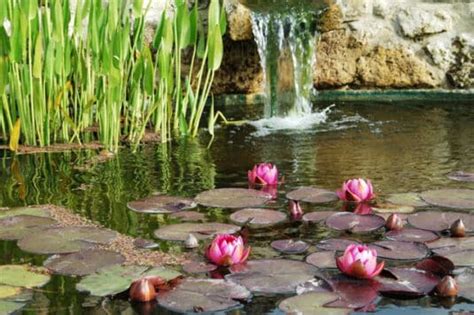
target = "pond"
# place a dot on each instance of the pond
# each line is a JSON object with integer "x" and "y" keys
{"x": 401, "y": 147}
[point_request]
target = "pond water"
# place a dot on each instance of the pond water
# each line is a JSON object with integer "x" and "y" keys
{"x": 409, "y": 147}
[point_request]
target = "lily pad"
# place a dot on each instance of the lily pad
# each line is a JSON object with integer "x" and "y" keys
{"x": 390, "y": 208}
{"x": 439, "y": 265}
{"x": 450, "y": 198}
{"x": 84, "y": 262}
{"x": 233, "y": 198}
{"x": 438, "y": 221}
{"x": 407, "y": 282}
{"x": 115, "y": 279}
{"x": 452, "y": 244}
{"x": 465, "y": 281}
{"x": 179, "y": 232}
{"x": 312, "y": 303}
{"x": 161, "y": 204}
{"x": 23, "y": 276}
{"x": 16, "y": 227}
{"x": 203, "y": 295}
{"x": 9, "y": 307}
{"x": 324, "y": 259}
{"x": 461, "y": 176}
{"x": 8, "y": 291}
{"x": 317, "y": 216}
{"x": 272, "y": 276}
{"x": 63, "y": 240}
{"x": 189, "y": 216}
{"x": 335, "y": 244}
{"x": 398, "y": 250}
{"x": 257, "y": 218}
{"x": 407, "y": 199}
{"x": 290, "y": 246}
{"x": 199, "y": 267}
{"x": 346, "y": 221}
{"x": 412, "y": 235}
{"x": 353, "y": 293}
{"x": 37, "y": 212}
{"x": 312, "y": 195}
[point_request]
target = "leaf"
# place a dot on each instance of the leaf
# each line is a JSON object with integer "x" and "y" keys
{"x": 23, "y": 276}
{"x": 216, "y": 48}
{"x": 159, "y": 31}
{"x": 3, "y": 74}
{"x": 193, "y": 25}
{"x": 137, "y": 8}
{"x": 15, "y": 136}
{"x": 38, "y": 58}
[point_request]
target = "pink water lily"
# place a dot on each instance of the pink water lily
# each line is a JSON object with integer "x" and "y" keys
{"x": 359, "y": 261}
{"x": 227, "y": 250}
{"x": 357, "y": 190}
{"x": 296, "y": 212}
{"x": 263, "y": 174}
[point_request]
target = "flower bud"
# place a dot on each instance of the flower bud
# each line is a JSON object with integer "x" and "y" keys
{"x": 458, "y": 229}
{"x": 447, "y": 287}
{"x": 191, "y": 242}
{"x": 142, "y": 291}
{"x": 394, "y": 222}
{"x": 295, "y": 210}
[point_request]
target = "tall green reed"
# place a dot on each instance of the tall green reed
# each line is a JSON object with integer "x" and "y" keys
{"x": 64, "y": 74}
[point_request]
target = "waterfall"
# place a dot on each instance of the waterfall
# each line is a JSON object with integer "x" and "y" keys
{"x": 286, "y": 45}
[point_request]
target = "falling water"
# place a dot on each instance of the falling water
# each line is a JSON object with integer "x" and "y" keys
{"x": 286, "y": 45}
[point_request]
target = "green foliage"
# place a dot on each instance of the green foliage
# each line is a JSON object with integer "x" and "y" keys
{"x": 64, "y": 74}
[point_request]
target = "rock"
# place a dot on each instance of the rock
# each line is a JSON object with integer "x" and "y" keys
{"x": 417, "y": 22}
{"x": 353, "y": 9}
{"x": 395, "y": 68}
{"x": 331, "y": 19}
{"x": 239, "y": 21}
{"x": 461, "y": 74}
{"x": 383, "y": 8}
{"x": 441, "y": 53}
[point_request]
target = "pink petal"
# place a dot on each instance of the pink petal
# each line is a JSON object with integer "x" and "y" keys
{"x": 378, "y": 270}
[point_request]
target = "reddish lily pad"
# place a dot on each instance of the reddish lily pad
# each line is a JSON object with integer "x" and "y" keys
{"x": 346, "y": 221}
{"x": 407, "y": 199}
{"x": 459, "y": 250}
{"x": 324, "y": 259}
{"x": 199, "y": 267}
{"x": 312, "y": 195}
{"x": 412, "y": 235}
{"x": 450, "y": 198}
{"x": 353, "y": 293}
{"x": 317, "y": 216}
{"x": 312, "y": 303}
{"x": 290, "y": 246}
{"x": 407, "y": 282}
{"x": 161, "y": 204}
{"x": 461, "y": 176}
{"x": 203, "y": 295}
{"x": 84, "y": 262}
{"x": 439, "y": 265}
{"x": 335, "y": 244}
{"x": 180, "y": 232}
{"x": 272, "y": 276}
{"x": 16, "y": 227}
{"x": 465, "y": 281}
{"x": 189, "y": 216}
{"x": 62, "y": 240}
{"x": 398, "y": 250}
{"x": 439, "y": 221}
{"x": 233, "y": 198}
{"x": 258, "y": 218}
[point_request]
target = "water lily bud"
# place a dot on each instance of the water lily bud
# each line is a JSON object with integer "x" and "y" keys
{"x": 227, "y": 250}
{"x": 295, "y": 210}
{"x": 191, "y": 242}
{"x": 359, "y": 261}
{"x": 142, "y": 291}
{"x": 394, "y": 222}
{"x": 447, "y": 287}
{"x": 356, "y": 190}
{"x": 458, "y": 229}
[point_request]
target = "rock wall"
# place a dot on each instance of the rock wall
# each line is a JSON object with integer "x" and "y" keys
{"x": 367, "y": 44}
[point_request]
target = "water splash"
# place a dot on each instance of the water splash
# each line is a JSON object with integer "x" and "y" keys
{"x": 286, "y": 45}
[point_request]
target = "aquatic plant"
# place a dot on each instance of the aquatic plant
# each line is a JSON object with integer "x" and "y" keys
{"x": 263, "y": 174}
{"x": 296, "y": 212}
{"x": 76, "y": 76}
{"x": 356, "y": 190}
{"x": 359, "y": 261}
{"x": 227, "y": 250}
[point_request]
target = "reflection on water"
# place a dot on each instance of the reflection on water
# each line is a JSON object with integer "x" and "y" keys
{"x": 401, "y": 147}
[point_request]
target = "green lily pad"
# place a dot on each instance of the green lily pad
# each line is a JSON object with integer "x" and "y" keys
{"x": 312, "y": 195}
{"x": 312, "y": 303}
{"x": 258, "y": 218}
{"x": 63, "y": 240}
{"x": 179, "y": 232}
{"x": 17, "y": 227}
{"x": 115, "y": 279}
{"x": 203, "y": 295}
{"x": 23, "y": 276}
{"x": 37, "y": 212}
{"x": 450, "y": 198}
{"x": 8, "y": 291}
{"x": 10, "y": 304}
{"x": 9, "y": 307}
{"x": 232, "y": 198}
{"x": 407, "y": 199}
{"x": 84, "y": 262}
{"x": 438, "y": 221}
{"x": 272, "y": 276}
{"x": 161, "y": 204}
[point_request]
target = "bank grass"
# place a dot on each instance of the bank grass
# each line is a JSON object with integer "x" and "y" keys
{"x": 73, "y": 76}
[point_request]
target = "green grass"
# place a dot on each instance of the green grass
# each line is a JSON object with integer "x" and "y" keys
{"x": 63, "y": 74}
